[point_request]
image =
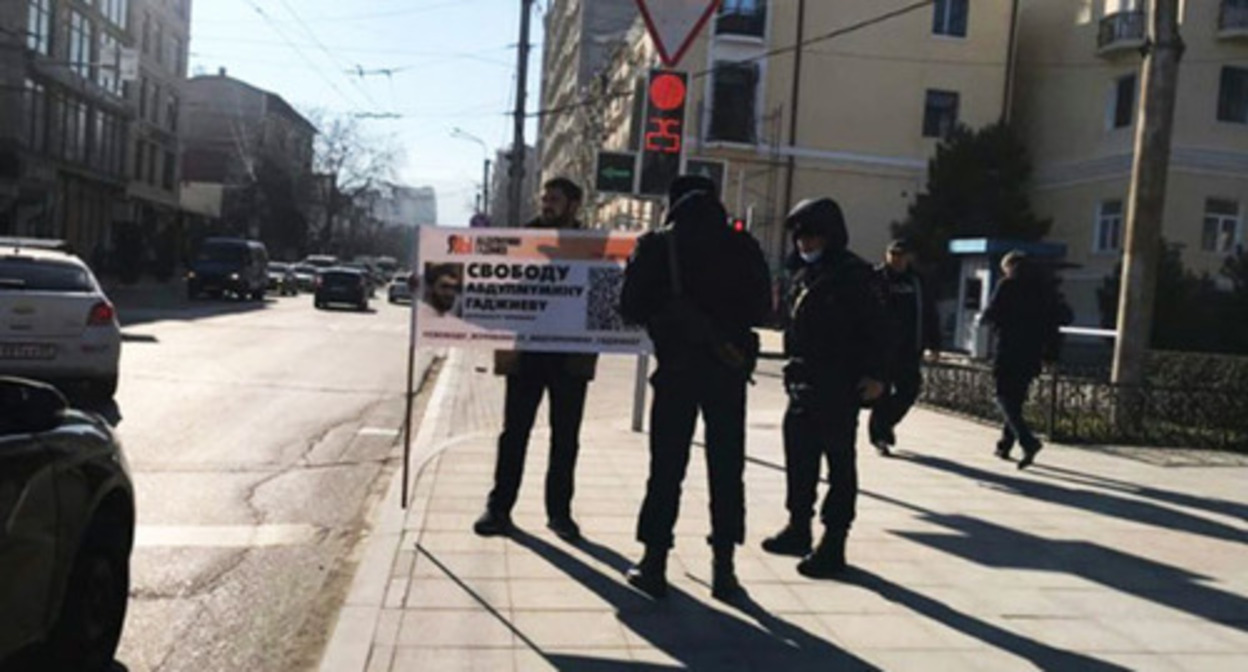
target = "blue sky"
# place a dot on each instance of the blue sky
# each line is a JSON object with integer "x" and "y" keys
{"x": 454, "y": 63}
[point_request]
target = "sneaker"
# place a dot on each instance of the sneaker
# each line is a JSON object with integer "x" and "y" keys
{"x": 724, "y": 584}
{"x": 793, "y": 540}
{"x": 565, "y": 528}
{"x": 492, "y": 524}
{"x": 1029, "y": 456}
{"x": 650, "y": 575}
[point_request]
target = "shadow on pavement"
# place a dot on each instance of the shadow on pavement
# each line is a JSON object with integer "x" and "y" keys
{"x": 131, "y": 315}
{"x": 686, "y": 629}
{"x": 1218, "y": 506}
{"x": 992, "y": 545}
{"x": 1093, "y": 502}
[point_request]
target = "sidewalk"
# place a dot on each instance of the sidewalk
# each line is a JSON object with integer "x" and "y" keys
{"x": 1086, "y": 561}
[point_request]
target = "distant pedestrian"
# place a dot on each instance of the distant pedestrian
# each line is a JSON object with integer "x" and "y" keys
{"x": 914, "y": 328}
{"x": 699, "y": 288}
{"x": 835, "y": 343}
{"x": 564, "y": 377}
{"x": 1025, "y": 313}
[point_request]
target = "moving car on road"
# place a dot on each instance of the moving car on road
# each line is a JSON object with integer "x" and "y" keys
{"x": 58, "y": 325}
{"x": 400, "y": 288}
{"x": 233, "y": 265}
{"x": 67, "y": 508}
{"x": 282, "y": 279}
{"x": 305, "y": 277}
{"x": 341, "y": 285}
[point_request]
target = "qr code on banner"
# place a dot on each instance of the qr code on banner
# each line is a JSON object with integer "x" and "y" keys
{"x": 602, "y": 311}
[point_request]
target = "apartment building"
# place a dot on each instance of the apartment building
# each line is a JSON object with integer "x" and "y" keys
{"x": 64, "y": 119}
{"x": 871, "y": 105}
{"x": 580, "y": 36}
{"x": 1079, "y": 73}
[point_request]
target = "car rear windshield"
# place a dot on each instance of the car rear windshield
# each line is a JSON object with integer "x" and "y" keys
{"x": 340, "y": 278}
{"x": 304, "y": 268}
{"x": 43, "y": 276}
{"x": 231, "y": 254}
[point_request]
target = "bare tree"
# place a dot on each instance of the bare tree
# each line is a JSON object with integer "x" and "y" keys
{"x": 355, "y": 165}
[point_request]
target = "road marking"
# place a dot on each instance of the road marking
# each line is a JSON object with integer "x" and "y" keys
{"x": 224, "y": 536}
{"x": 378, "y": 431}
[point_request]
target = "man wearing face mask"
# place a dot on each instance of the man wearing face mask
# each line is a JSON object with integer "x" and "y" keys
{"x": 835, "y": 343}
{"x": 565, "y": 378}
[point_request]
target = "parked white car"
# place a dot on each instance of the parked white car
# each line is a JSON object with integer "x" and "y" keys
{"x": 56, "y": 324}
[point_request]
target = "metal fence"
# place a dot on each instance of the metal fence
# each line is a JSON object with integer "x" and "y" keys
{"x": 1081, "y": 406}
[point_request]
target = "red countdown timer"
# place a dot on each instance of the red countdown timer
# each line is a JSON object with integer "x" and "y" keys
{"x": 664, "y": 136}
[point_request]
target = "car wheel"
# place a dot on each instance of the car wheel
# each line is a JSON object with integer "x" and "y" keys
{"x": 89, "y": 626}
{"x": 103, "y": 388}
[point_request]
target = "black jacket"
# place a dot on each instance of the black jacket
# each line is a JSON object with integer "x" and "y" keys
{"x": 837, "y": 332}
{"x": 1025, "y": 315}
{"x": 722, "y": 272}
{"x": 913, "y": 323}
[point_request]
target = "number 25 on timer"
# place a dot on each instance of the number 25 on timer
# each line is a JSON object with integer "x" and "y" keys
{"x": 666, "y": 136}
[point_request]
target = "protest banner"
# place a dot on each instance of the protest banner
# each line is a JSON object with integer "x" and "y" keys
{"x": 544, "y": 290}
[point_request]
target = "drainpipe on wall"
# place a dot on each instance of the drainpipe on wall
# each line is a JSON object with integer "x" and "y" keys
{"x": 1011, "y": 65}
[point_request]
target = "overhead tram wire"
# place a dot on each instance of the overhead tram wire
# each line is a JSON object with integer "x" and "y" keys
{"x": 319, "y": 71}
{"x": 321, "y": 45}
{"x": 840, "y": 32}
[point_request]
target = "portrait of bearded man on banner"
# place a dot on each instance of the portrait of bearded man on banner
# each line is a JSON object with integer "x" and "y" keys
{"x": 444, "y": 283}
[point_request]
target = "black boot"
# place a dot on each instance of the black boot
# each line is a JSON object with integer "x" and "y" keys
{"x": 793, "y": 540}
{"x": 1003, "y": 449}
{"x": 650, "y": 575}
{"x": 724, "y": 583}
{"x": 828, "y": 560}
{"x": 1029, "y": 455}
{"x": 493, "y": 524}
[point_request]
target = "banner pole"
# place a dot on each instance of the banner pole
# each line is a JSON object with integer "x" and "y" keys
{"x": 414, "y": 268}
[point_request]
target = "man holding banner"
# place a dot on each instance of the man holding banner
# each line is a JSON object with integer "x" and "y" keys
{"x": 565, "y": 378}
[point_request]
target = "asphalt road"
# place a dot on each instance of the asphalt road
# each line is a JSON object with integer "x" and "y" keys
{"x": 260, "y": 437}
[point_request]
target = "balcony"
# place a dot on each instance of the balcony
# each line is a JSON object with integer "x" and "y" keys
{"x": 742, "y": 23}
{"x": 1233, "y": 19}
{"x": 1124, "y": 31}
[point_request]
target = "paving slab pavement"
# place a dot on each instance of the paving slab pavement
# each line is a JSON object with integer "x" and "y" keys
{"x": 1088, "y": 561}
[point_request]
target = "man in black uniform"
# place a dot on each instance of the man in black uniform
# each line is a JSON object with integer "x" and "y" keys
{"x": 1024, "y": 314}
{"x": 835, "y": 343}
{"x": 530, "y": 374}
{"x": 699, "y": 288}
{"x": 913, "y": 327}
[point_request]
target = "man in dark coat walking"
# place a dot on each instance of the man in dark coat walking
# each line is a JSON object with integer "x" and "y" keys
{"x": 1025, "y": 314}
{"x": 835, "y": 343}
{"x": 914, "y": 328}
{"x": 699, "y": 288}
{"x": 565, "y": 378}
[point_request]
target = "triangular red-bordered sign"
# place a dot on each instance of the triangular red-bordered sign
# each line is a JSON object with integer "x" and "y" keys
{"x": 673, "y": 24}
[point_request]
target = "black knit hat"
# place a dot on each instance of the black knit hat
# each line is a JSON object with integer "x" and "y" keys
{"x": 687, "y": 184}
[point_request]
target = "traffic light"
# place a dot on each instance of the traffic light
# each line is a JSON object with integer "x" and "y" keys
{"x": 664, "y": 138}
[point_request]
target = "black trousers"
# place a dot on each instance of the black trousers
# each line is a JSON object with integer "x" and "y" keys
{"x": 902, "y": 391}
{"x": 821, "y": 425}
{"x": 679, "y": 395}
{"x": 1012, "y": 387}
{"x": 567, "y": 406}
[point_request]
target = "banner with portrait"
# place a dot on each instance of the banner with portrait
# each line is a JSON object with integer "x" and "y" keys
{"x": 541, "y": 290}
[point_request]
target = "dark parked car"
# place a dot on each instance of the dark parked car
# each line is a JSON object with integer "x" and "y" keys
{"x": 239, "y": 267}
{"x": 67, "y": 515}
{"x": 342, "y": 285}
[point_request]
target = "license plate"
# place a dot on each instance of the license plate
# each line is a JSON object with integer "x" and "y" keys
{"x": 27, "y": 351}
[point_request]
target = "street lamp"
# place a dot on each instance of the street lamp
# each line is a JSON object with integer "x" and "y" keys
{"x": 460, "y": 133}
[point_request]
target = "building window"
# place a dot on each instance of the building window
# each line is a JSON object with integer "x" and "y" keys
{"x": 940, "y": 114}
{"x": 168, "y": 176}
{"x": 734, "y": 96}
{"x": 39, "y": 26}
{"x": 177, "y": 57}
{"x": 142, "y": 97}
{"x": 950, "y": 17}
{"x": 147, "y": 33}
{"x": 742, "y": 17}
{"x": 1233, "y": 96}
{"x": 1221, "y": 230}
{"x": 155, "y": 104}
{"x": 81, "y": 35}
{"x": 116, "y": 11}
{"x": 35, "y": 112}
{"x": 158, "y": 43}
{"x": 1122, "y": 102}
{"x": 108, "y": 73}
{"x": 1109, "y": 224}
{"x": 153, "y": 155}
{"x": 140, "y": 156}
{"x": 171, "y": 112}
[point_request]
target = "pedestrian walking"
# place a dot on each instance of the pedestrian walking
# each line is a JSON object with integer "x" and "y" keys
{"x": 1025, "y": 314}
{"x": 699, "y": 288}
{"x": 564, "y": 378}
{"x": 836, "y": 346}
{"x": 914, "y": 329}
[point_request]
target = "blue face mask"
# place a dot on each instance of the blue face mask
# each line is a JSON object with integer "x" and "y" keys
{"x": 811, "y": 257}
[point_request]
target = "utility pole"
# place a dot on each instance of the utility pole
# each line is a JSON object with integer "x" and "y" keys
{"x": 1148, "y": 196}
{"x": 485, "y": 189}
{"x": 794, "y": 110}
{"x": 516, "y": 193}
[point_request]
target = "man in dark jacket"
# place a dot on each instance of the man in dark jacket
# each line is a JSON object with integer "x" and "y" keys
{"x": 566, "y": 378}
{"x": 699, "y": 288}
{"x": 1023, "y": 315}
{"x": 835, "y": 343}
{"x": 913, "y": 328}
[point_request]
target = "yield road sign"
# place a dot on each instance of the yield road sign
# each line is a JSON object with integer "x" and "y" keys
{"x": 673, "y": 24}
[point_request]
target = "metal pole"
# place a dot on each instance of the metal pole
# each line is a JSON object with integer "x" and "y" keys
{"x": 795, "y": 102}
{"x": 485, "y": 188}
{"x": 411, "y": 376}
{"x": 517, "y": 149}
{"x": 1148, "y": 196}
